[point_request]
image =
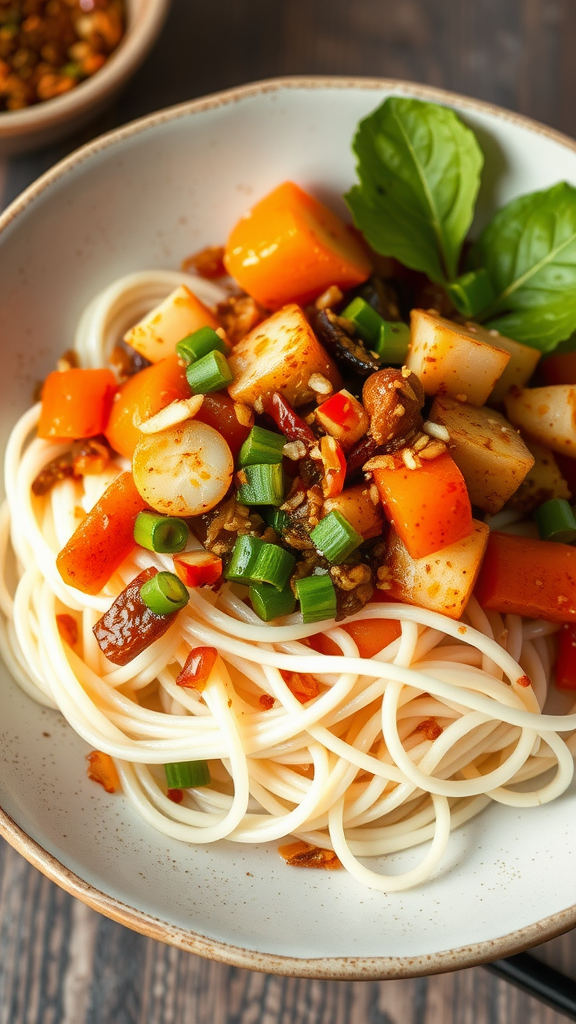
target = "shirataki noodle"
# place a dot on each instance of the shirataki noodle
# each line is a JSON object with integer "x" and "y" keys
{"x": 353, "y": 770}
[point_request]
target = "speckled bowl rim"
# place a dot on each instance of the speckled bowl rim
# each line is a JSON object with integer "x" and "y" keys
{"x": 330, "y": 968}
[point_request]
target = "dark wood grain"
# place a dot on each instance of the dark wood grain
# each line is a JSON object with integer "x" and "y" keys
{"x": 60, "y": 962}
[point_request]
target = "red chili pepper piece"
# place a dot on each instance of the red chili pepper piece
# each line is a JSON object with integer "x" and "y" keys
{"x": 129, "y": 627}
{"x": 287, "y": 421}
{"x": 197, "y": 668}
{"x": 566, "y": 660}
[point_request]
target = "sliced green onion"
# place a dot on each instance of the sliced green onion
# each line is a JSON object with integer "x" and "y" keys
{"x": 393, "y": 342}
{"x": 556, "y": 521}
{"x": 274, "y": 565}
{"x": 243, "y": 559}
{"x": 471, "y": 292}
{"x": 210, "y": 373}
{"x": 317, "y": 598}
{"x": 164, "y": 593}
{"x": 335, "y": 537}
{"x": 269, "y": 603}
{"x": 187, "y": 774}
{"x": 389, "y": 339}
{"x": 261, "y": 446}
{"x": 194, "y": 346}
{"x": 367, "y": 321}
{"x": 276, "y": 518}
{"x": 264, "y": 485}
{"x": 165, "y": 534}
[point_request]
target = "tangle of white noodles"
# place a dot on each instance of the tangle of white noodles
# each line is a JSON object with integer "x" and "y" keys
{"x": 356, "y": 769}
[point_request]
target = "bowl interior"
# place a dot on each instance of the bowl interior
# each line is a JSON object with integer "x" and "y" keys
{"x": 143, "y": 198}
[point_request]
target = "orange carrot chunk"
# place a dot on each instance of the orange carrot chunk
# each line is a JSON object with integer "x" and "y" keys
{"x": 141, "y": 397}
{"x": 535, "y": 578}
{"x": 428, "y": 506}
{"x": 290, "y": 248}
{"x": 75, "y": 403}
{"x": 370, "y": 635}
{"x": 103, "y": 539}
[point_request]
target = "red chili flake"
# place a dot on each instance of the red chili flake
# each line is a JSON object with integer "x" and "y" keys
{"x": 302, "y": 685}
{"x": 175, "y": 795}
{"x": 266, "y": 701}
{"x": 197, "y": 668}
{"x": 303, "y": 855}
{"x": 101, "y": 769}
{"x": 524, "y": 681}
{"x": 288, "y": 422}
{"x": 68, "y": 629}
{"x": 430, "y": 728}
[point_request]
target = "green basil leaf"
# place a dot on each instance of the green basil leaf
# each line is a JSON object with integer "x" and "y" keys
{"x": 529, "y": 252}
{"x": 419, "y": 170}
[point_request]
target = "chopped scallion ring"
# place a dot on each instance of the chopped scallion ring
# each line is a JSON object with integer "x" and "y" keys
{"x": 264, "y": 485}
{"x": 556, "y": 521}
{"x": 194, "y": 346}
{"x": 165, "y": 534}
{"x": 243, "y": 559}
{"x": 210, "y": 373}
{"x": 270, "y": 603}
{"x": 187, "y": 774}
{"x": 335, "y": 537}
{"x": 164, "y": 593}
{"x": 317, "y": 597}
{"x": 273, "y": 565}
{"x": 261, "y": 446}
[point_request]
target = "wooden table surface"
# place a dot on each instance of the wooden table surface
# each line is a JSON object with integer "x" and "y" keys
{"x": 61, "y": 963}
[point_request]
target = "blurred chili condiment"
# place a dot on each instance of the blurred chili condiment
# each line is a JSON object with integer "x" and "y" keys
{"x": 47, "y": 47}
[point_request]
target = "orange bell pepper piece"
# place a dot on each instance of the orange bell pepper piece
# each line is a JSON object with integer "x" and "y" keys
{"x": 536, "y": 578}
{"x": 429, "y": 506}
{"x": 371, "y": 635}
{"x": 290, "y": 247}
{"x": 75, "y": 404}
{"x": 141, "y": 397}
{"x": 103, "y": 539}
{"x": 101, "y": 769}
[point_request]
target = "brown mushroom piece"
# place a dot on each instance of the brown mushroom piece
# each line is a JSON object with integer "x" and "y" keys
{"x": 350, "y": 353}
{"x": 393, "y": 400}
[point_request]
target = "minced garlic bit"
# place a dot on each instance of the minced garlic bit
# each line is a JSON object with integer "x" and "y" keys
{"x": 410, "y": 460}
{"x": 258, "y": 405}
{"x": 177, "y": 412}
{"x": 320, "y": 384}
{"x": 432, "y": 450}
{"x": 437, "y": 430}
{"x": 331, "y": 297}
{"x": 243, "y": 414}
{"x": 294, "y": 450}
{"x": 378, "y": 462}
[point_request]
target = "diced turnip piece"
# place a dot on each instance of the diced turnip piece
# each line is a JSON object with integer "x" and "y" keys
{"x": 158, "y": 333}
{"x": 184, "y": 471}
{"x": 280, "y": 354}
{"x": 489, "y": 453}
{"x": 548, "y": 414}
{"x": 523, "y": 361}
{"x": 541, "y": 483}
{"x": 442, "y": 582}
{"x": 454, "y": 360}
{"x": 356, "y": 505}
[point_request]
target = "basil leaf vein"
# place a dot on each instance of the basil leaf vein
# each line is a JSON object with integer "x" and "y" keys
{"x": 419, "y": 172}
{"x": 529, "y": 253}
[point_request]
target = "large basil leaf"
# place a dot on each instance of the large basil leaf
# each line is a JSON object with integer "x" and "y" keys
{"x": 419, "y": 170}
{"x": 529, "y": 251}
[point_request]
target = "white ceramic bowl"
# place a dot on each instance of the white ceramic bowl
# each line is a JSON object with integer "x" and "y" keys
{"x": 48, "y": 122}
{"x": 142, "y": 197}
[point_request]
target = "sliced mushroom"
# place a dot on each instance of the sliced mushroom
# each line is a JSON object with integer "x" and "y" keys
{"x": 348, "y": 352}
